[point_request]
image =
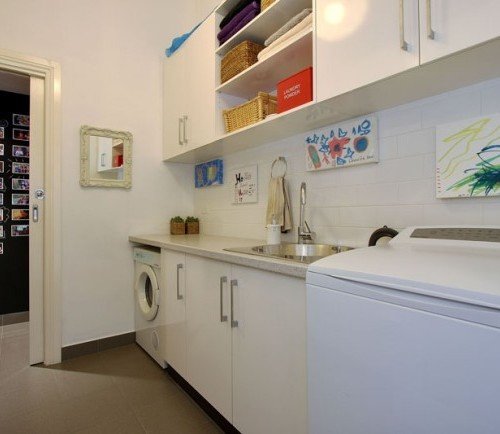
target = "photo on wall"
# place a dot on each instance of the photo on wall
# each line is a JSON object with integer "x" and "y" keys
{"x": 20, "y": 184}
{"x": 19, "y": 230}
{"x": 1, "y": 184}
{"x": 20, "y": 151}
{"x": 2, "y": 233}
{"x": 1, "y": 198}
{"x": 20, "y": 168}
{"x": 20, "y": 214}
{"x": 20, "y": 120}
{"x": 1, "y": 167}
{"x": 1, "y": 248}
{"x": 20, "y": 199}
{"x": 1, "y": 214}
{"x": 2, "y": 133}
{"x": 23, "y": 135}
{"x": 2, "y": 149}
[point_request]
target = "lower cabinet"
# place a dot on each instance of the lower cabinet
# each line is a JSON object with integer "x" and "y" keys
{"x": 244, "y": 342}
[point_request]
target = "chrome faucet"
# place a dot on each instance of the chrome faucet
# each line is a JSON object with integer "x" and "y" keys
{"x": 305, "y": 235}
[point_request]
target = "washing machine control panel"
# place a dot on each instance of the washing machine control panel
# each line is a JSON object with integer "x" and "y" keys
{"x": 458, "y": 234}
{"x": 148, "y": 257}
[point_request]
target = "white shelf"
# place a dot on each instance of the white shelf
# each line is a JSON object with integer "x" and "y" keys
{"x": 265, "y": 75}
{"x": 476, "y": 64}
{"x": 266, "y": 23}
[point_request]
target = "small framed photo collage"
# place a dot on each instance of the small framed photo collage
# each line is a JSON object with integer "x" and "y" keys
{"x": 14, "y": 178}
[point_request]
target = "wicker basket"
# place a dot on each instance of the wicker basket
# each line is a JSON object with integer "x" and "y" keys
{"x": 177, "y": 228}
{"x": 238, "y": 59}
{"x": 250, "y": 112}
{"x": 192, "y": 228}
{"x": 264, "y": 4}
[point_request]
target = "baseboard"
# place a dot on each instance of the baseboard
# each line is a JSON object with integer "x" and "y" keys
{"x": 220, "y": 420}
{"x": 77, "y": 350}
{"x": 14, "y": 318}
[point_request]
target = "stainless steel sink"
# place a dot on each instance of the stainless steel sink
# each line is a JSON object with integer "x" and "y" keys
{"x": 305, "y": 253}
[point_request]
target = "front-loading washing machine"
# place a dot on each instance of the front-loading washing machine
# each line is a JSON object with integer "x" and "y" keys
{"x": 149, "y": 296}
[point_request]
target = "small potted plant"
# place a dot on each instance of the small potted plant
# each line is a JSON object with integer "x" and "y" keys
{"x": 193, "y": 225}
{"x": 177, "y": 226}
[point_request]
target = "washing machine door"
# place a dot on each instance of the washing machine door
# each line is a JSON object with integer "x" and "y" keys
{"x": 147, "y": 292}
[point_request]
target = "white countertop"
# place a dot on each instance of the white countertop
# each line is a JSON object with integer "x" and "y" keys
{"x": 212, "y": 247}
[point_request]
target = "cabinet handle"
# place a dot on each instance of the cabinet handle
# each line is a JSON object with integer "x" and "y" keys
{"x": 402, "y": 43}
{"x": 179, "y": 296}
{"x": 223, "y": 318}
{"x": 234, "y": 323}
{"x": 430, "y": 32}
{"x": 35, "y": 213}
{"x": 180, "y": 132}
{"x": 185, "y": 118}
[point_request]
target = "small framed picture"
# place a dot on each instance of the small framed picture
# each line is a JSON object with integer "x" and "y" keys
{"x": 2, "y": 149}
{"x": 1, "y": 198}
{"x": 1, "y": 248}
{"x": 1, "y": 184}
{"x": 1, "y": 214}
{"x": 19, "y": 230}
{"x": 23, "y": 135}
{"x": 20, "y": 199}
{"x": 2, "y": 133}
{"x": 20, "y": 214}
{"x": 20, "y": 120}
{"x": 20, "y": 184}
{"x": 1, "y": 166}
{"x": 20, "y": 168}
{"x": 20, "y": 151}
{"x": 2, "y": 233}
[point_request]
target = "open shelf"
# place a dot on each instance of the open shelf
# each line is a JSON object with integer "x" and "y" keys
{"x": 265, "y": 24}
{"x": 265, "y": 75}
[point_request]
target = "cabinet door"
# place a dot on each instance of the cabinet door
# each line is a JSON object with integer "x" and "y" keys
{"x": 173, "y": 276}
{"x": 361, "y": 41}
{"x": 174, "y": 103}
{"x": 209, "y": 331}
{"x": 200, "y": 95}
{"x": 269, "y": 353}
{"x": 447, "y": 26}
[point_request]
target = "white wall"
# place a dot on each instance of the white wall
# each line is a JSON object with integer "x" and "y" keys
{"x": 110, "y": 54}
{"x": 346, "y": 205}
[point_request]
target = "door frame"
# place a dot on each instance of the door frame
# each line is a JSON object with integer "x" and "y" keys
{"x": 50, "y": 72}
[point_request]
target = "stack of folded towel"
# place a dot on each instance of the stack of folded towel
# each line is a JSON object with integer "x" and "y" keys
{"x": 299, "y": 25}
{"x": 237, "y": 18}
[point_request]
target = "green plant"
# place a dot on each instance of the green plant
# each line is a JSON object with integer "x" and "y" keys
{"x": 190, "y": 219}
{"x": 177, "y": 219}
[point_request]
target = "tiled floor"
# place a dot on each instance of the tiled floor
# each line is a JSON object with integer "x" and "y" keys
{"x": 116, "y": 391}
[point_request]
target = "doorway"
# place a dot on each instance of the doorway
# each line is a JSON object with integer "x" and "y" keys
{"x": 36, "y": 222}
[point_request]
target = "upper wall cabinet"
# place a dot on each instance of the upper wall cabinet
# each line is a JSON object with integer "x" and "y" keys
{"x": 362, "y": 41}
{"x": 189, "y": 101}
{"x": 447, "y": 26}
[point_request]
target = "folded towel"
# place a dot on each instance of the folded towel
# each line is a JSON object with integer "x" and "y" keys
{"x": 237, "y": 8}
{"x": 289, "y": 24}
{"x": 278, "y": 205}
{"x": 237, "y": 18}
{"x": 298, "y": 31}
{"x": 249, "y": 17}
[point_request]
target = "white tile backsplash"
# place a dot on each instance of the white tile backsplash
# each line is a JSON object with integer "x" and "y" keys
{"x": 346, "y": 205}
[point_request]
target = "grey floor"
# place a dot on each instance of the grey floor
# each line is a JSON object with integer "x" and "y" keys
{"x": 116, "y": 391}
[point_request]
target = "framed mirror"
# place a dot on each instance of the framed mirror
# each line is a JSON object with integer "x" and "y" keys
{"x": 105, "y": 158}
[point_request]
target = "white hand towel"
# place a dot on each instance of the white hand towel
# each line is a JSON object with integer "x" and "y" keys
{"x": 278, "y": 205}
{"x": 287, "y": 26}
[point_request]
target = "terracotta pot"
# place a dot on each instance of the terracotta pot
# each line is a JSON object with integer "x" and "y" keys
{"x": 193, "y": 228}
{"x": 177, "y": 228}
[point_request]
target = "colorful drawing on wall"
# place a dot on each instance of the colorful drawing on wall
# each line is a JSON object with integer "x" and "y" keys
{"x": 245, "y": 184}
{"x": 468, "y": 158}
{"x": 209, "y": 173}
{"x": 347, "y": 144}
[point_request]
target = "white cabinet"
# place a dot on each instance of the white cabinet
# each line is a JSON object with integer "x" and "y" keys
{"x": 189, "y": 100}
{"x": 208, "y": 331}
{"x": 361, "y": 41}
{"x": 173, "y": 269}
{"x": 269, "y": 353}
{"x": 448, "y": 26}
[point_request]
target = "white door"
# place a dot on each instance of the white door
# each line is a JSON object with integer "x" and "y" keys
{"x": 361, "y": 41}
{"x": 173, "y": 277}
{"x": 36, "y": 238}
{"x": 269, "y": 353}
{"x": 209, "y": 331}
{"x": 447, "y": 26}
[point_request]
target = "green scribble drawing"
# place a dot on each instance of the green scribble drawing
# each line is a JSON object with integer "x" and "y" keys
{"x": 467, "y": 138}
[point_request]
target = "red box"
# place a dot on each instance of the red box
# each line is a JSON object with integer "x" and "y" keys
{"x": 295, "y": 90}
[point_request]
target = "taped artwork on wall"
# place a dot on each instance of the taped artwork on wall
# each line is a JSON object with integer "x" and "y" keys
{"x": 209, "y": 173}
{"x": 245, "y": 184}
{"x": 350, "y": 143}
{"x": 468, "y": 158}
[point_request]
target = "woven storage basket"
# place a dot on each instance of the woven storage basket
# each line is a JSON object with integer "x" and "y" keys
{"x": 238, "y": 59}
{"x": 177, "y": 228}
{"x": 265, "y": 4}
{"x": 250, "y": 112}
